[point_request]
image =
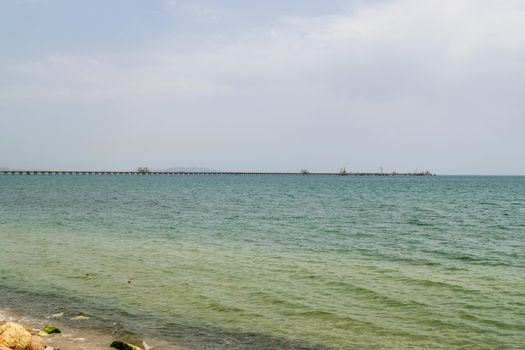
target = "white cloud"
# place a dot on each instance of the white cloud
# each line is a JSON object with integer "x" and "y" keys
{"x": 406, "y": 43}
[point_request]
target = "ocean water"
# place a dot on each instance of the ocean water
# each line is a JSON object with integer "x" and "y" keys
{"x": 271, "y": 262}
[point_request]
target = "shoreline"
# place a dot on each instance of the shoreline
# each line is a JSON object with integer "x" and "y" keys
{"x": 73, "y": 338}
{"x": 90, "y": 337}
{"x": 86, "y": 328}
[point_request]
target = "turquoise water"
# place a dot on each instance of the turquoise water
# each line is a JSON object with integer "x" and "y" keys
{"x": 272, "y": 261}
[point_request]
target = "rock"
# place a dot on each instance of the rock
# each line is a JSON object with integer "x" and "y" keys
{"x": 36, "y": 343}
{"x": 47, "y": 330}
{"x": 124, "y": 346}
{"x": 26, "y": 326}
{"x": 14, "y": 336}
{"x": 3, "y": 347}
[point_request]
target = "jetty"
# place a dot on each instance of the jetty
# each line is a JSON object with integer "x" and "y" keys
{"x": 145, "y": 172}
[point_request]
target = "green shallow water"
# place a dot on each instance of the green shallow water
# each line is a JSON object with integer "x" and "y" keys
{"x": 272, "y": 261}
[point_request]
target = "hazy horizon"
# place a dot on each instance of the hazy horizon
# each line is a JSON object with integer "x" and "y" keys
{"x": 264, "y": 86}
{"x": 206, "y": 169}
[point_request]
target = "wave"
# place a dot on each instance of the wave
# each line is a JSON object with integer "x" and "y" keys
{"x": 371, "y": 295}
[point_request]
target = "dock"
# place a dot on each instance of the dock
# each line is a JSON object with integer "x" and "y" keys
{"x": 201, "y": 173}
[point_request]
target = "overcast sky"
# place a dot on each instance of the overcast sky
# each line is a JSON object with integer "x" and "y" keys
{"x": 264, "y": 85}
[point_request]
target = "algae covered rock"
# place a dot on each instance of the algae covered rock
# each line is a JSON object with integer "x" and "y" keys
{"x": 14, "y": 336}
{"x": 48, "y": 330}
{"x": 119, "y": 345}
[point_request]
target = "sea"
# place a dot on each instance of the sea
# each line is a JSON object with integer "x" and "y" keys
{"x": 270, "y": 262}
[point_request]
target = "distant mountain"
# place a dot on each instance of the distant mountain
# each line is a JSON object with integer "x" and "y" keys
{"x": 187, "y": 169}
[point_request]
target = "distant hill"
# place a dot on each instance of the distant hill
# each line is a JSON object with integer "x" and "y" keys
{"x": 187, "y": 169}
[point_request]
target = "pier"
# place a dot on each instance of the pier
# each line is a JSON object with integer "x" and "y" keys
{"x": 201, "y": 173}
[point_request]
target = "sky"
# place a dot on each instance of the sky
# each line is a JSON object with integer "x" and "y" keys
{"x": 272, "y": 85}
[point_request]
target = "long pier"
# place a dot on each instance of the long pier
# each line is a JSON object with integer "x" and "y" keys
{"x": 199, "y": 173}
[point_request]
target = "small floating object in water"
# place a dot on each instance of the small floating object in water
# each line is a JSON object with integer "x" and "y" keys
{"x": 80, "y": 318}
{"x": 119, "y": 345}
{"x": 48, "y": 330}
{"x": 57, "y": 315}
